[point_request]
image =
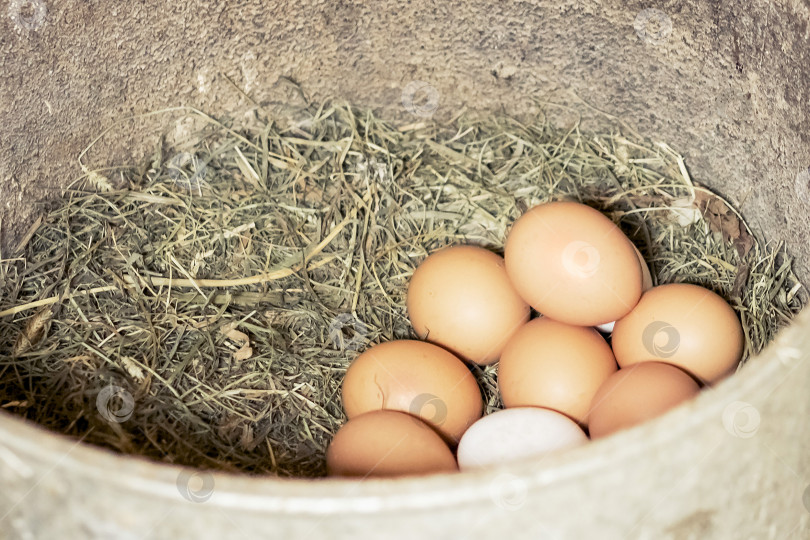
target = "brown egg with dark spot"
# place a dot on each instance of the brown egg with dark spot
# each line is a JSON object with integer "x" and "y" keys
{"x": 554, "y": 365}
{"x": 636, "y": 394}
{"x": 685, "y": 325}
{"x": 461, "y": 298}
{"x": 417, "y": 378}
{"x": 387, "y": 444}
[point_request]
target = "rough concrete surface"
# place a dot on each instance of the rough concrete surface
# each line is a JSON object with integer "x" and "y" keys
{"x": 727, "y": 85}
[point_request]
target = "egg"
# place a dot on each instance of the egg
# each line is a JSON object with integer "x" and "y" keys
{"x": 386, "y": 444}
{"x": 461, "y": 298}
{"x": 646, "y": 277}
{"x": 554, "y": 365}
{"x": 636, "y": 394}
{"x": 606, "y": 328}
{"x": 573, "y": 264}
{"x": 684, "y": 325}
{"x": 646, "y": 285}
{"x": 417, "y": 378}
{"x": 513, "y": 434}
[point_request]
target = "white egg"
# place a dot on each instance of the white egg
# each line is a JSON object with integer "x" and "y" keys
{"x": 606, "y": 328}
{"x": 517, "y": 433}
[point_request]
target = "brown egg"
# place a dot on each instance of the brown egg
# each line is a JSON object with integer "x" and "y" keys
{"x": 646, "y": 277}
{"x": 386, "y": 444}
{"x": 571, "y": 263}
{"x": 461, "y": 298}
{"x": 418, "y": 378}
{"x": 646, "y": 285}
{"x": 684, "y": 325}
{"x": 637, "y": 393}
{"x": 554, "y": 365}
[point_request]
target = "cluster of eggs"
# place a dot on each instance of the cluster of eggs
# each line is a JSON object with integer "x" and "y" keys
{"x": 411, "y": 403}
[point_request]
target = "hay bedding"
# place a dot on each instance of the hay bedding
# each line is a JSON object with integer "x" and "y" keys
{"x": 201, "y": 309}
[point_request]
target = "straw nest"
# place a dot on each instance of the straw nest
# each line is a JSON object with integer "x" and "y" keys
{"x": 202, "y": 308}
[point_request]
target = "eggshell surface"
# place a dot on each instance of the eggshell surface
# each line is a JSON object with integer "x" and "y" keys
{"x": 462, "y": 299}
{"x": 554, "y": 365}
{"x": 571, "y": 263}
{"x": 685, "y": 325}
{"x": 513, "y": 434}
{"x": 646, "y": 285}
{"x": 417, "y": 378}
{"x": 646, "y": 276}
{"x": 636, "y": 394}
{"x": 387, "y": 444}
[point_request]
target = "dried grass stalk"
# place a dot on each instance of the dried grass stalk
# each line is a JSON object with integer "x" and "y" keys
{"x": 227, "y": 289}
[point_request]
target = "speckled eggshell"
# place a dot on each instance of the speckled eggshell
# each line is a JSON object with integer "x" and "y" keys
{"x": 387, "y": 444}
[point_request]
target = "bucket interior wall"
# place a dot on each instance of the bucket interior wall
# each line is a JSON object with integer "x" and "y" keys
{"x": 724, "y": 83}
